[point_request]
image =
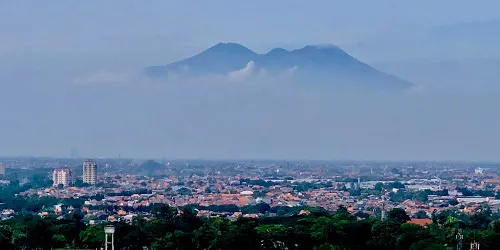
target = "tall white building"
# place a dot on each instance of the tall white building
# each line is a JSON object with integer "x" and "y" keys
{"x": 2, "y": 169}
{"x": 479, "y": 171}
{"x": 90, "y": 172}
{"x": 62, "y": 176}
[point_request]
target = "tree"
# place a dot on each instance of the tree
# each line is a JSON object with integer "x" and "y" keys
{"x": 443, "y": 192}
{"x": 243, "y": 233}
{"x": 272, "y": 235}
{"x": 92, "y": 237}
{"x": 362, "y": 215}
{"x": 395, "y": 171}
{"x": 480, "y": 220}
{"x": 58, "y": 240}
{"x": 37, "y": 234}
{"x": 410, "y": 233}
{"x": 176, "y": 240}
{"x": 5, "y": 237}
{"x": 397, "y": 184}
{"x": 184, "y": 191}
{"x": 420, "y": 196}
{"x": 79, "y": 183}
{"x": 343, "y": 214}
{"x": 324, "y": 230}
{"x": 259, "y": 208}
{"x": 19, "y": 239}
{"x": 453, "y": 222}
{"x": 163, "y": 211}
{"x": 421, "y": 215}
{"x": 211, "y": 234}
{"x": 399, "y": 196}
{"x": 379, "y": 186}
{"x": 384, "y": 235}
{"x": 169, "y": 228}
{"x": 427, "y": 244}
{"x": 465, "y": 191}
{"x": 398, "y": 216}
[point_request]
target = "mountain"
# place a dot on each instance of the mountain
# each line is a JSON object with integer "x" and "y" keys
{"x": 151, "y": 167}
{"x": 322, "y": 64}
{"x": 473, "y": 75}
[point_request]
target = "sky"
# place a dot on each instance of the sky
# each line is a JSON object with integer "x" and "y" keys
{"x": 68, "y": 79}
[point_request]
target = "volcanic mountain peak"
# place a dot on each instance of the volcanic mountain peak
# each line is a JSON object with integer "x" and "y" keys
{"x": 324, "y": 63}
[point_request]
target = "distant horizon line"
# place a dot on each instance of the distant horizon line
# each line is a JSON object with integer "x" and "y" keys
{"x": 254, "y": 159}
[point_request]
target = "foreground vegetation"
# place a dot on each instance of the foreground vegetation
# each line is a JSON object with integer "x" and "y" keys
{"x": 169, "y": 228}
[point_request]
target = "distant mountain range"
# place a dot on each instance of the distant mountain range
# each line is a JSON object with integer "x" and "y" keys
{"x": 313, "y": 64}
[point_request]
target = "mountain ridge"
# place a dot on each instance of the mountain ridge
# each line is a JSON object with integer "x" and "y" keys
{"x": 320, "y": 63}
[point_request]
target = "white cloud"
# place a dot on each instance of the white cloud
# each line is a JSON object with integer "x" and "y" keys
{"x": 243, "y": 73}
{"x": 291, "y": 70}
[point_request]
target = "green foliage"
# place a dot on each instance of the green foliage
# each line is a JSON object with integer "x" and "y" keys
{"x": 398, "y": 216}
{"x": 257, "y": 194}
{"x": 421, "y": 215}
{"x": 402, "y": 195}
{"x": 305, "y": 186}
{"x": 428, "y": 244}
{"x": 184, "y": 191}
{"x": 169, "y": 228}
{"x": 385, "y": 233}
{"x": 396, "y": 184}
{"x": 92, "y": 237}
{"x": 219, "y": 208}
{"x": 379, "y": 186}
{"x": 260, "y": 208}
{"x": 410, "y": 233}
{"x": 5, "y": 237}
{"x": 259, "y": 182}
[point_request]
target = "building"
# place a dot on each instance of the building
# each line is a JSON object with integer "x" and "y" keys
{"x": 2, "y": 169}
{"x": 479, "y": 171}
{"x": 89, "y": 172}
{"x": 62, "y": 176}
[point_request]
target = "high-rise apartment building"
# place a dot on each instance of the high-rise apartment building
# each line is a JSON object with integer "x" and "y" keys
{"x": 62, "y": 176}
{"x": 89, "y": 172}
{"x": 2, "y": 169}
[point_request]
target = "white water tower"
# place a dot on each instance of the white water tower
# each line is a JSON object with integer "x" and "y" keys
{"x": 109, "y": 230}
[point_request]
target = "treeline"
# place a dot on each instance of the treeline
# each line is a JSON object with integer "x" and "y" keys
{"x": 418, "y": 195}
{"x": 169, "y": 228}
{"x": 260, "y": 208}
{"x": 484, "y": 193}
{"x": 259, "y": 182}
{"x": 131, "y": 192}
{"x": 297, "y": 186}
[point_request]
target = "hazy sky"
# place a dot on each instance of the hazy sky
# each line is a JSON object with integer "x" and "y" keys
{"x": 68, "y": 79}
{"x": 170, "y": 29}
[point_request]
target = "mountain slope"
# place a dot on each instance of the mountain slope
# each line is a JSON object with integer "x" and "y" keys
{"x": 326, "y": 64}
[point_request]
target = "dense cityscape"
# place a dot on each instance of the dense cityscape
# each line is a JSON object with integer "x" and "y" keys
{"x": 122, "y": 191}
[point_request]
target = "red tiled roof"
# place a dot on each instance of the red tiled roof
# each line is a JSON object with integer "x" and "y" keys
{"x": 420, "y": 222}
